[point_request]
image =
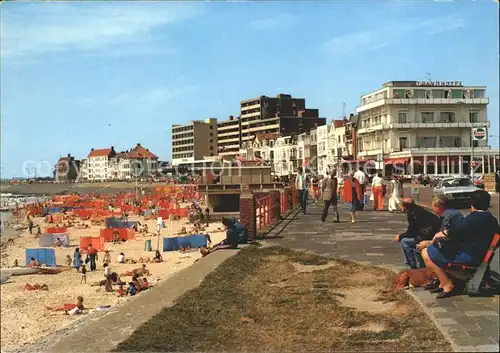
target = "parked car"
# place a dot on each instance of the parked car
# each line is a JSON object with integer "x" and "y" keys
{"x": 456, "y": 189}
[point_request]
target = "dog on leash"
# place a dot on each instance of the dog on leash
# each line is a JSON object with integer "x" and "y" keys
{"x": 415, "y": 278}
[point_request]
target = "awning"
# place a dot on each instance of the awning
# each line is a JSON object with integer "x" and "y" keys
{"x": 344, "y": 161}
{"x": 395, "y": 161}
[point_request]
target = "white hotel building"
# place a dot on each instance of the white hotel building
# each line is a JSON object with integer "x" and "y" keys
{"x": 425, "y": 127}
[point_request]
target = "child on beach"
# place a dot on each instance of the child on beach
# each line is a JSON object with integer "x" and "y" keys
{"x": 107, "y": 257}
{"x": 132, "y": 290}
{"x": 84, "y": 275}
{"x": 121, "y": 292}
{"x": 79, "y": 307}
{"x": 69, "y": 261}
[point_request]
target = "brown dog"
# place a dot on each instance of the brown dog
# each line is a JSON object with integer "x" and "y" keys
{"x": 419, "y": 277}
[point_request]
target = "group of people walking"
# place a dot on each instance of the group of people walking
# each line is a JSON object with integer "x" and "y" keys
{"x": 353, "y": 190}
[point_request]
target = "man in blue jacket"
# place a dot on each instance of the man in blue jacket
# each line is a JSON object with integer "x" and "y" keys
{"x": 466, "y": 243}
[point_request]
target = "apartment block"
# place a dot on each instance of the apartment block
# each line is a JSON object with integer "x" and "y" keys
{"x": 282, "y": 114}
{"x": 229, "y": 137}
{"x": 194, "y": 141}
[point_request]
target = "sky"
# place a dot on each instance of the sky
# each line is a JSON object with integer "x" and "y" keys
{"x": 76, "y": 76}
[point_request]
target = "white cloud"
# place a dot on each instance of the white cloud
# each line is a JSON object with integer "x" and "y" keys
{"x": 33, "y": 29}
{"x": 392, "y": 33}
{"x": 276, "y": 22}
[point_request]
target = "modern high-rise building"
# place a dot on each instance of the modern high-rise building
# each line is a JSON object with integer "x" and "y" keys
{"x": 229, "y": 137}
{"x": 283, "y": 114}
{"x": 193, "y": 141}
{"x": 425, "y": 127}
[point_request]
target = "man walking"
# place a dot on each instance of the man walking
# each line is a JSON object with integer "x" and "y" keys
{"x": 302, "y": 185}
{"x": 329, "y": 188}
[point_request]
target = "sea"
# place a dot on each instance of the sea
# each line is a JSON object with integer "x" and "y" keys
{"x": 7, "y": 202}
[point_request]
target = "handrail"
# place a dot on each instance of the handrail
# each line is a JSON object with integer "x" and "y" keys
{"x": 263, "y": 212}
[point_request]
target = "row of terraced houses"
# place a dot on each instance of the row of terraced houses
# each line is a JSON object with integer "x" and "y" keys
{"x": 421, "y": 126}
{"x": 107, "y": 164}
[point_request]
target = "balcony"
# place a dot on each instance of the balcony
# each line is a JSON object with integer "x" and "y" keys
{"x": 373, "y": 128}
{"x": 370, "y": 152}
{"x": 445, "y": 150}
{"x": 437, "y": 100}
{"x": 421, "y": 101}
{"x": 420, "y": 125}
{"x": 245, "y": 125}
{"x": 250, "y": 107}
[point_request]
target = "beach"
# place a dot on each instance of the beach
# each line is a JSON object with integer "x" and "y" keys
{"x": 25, "y": 318}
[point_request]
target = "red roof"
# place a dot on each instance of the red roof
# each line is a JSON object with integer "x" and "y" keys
{"x": 100, "y": 153}
{"x": 140, "y": 152}
{"x": 338, "y": 123}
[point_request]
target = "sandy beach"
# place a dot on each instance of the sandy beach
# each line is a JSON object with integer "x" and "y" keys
{"x": 25, "y": 319}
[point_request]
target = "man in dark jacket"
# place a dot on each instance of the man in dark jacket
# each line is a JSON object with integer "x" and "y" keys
{"x": 422, "y": 225}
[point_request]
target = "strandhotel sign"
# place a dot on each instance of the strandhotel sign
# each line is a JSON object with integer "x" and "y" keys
{"x": 439, "y": 83}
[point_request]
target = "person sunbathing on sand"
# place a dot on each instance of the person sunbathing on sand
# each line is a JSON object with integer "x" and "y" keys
{"x": 182, "y": 231}
{"x": 30, "y": 287}
{"x": 142, "y": 271}
{"x": 68, "y": 308}
{"x": 58, "y": 243}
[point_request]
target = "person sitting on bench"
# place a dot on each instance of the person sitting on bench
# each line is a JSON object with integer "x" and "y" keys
{"x": 466, "y": 244}
{"x": 422, "y": 225}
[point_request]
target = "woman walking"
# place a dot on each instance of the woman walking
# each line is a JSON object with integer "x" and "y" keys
{"x": 353, "y": 194}
{"x": 394, "y": 199}
{"x": 378, "y": 192}
{"x": 77, "y": 259}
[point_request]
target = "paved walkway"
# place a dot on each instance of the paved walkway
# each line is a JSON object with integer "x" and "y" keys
{"x": 470, "y": 323}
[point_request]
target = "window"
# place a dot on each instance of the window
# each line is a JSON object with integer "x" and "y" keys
{"x": 427, "y": 117}
{"x": 419, "y": 93}
{"x": 211, "y": 134}
{"x": 474, "y": 117}
{"x": 426, "y": 142}
{"x": 402, "y": 117}
{"x": 447, "y": 117}
{"x": 450, "y": 141}
{"x": 479, "y": 93}
{"x": 211, "y": 140}
{"x": 428, "y": 94}
{"x": 403, "y": 143}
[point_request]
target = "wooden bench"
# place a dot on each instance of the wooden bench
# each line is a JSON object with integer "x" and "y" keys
{"x": 474, "y": 276}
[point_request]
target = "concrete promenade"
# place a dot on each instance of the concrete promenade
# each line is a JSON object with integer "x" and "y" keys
{"x": 470, "y": 323}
